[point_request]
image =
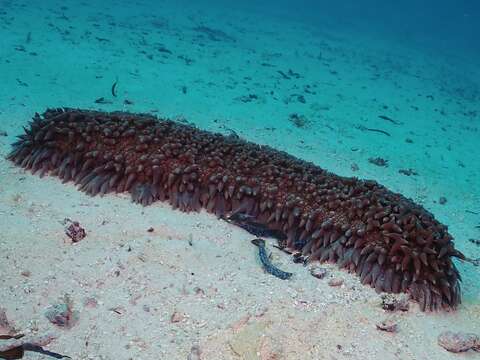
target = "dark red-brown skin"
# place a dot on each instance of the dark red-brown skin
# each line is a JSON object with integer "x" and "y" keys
{"x": 390, "y": 242}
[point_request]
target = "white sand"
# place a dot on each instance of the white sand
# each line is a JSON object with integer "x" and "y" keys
{"x": 222, "y": 300}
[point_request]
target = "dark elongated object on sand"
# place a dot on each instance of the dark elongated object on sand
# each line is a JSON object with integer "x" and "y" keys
{"x": 393, "y": 244}
{"x": 266, "y": 263}
{"x": 18, "y": 351}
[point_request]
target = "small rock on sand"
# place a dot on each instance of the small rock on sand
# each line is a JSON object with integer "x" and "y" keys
{"x": 318, "y": 272}
{"x": 458, "y": 342}
{"x": 177, "y": 317}
{"x": 387, "y": 325}
{"x": 335, "y": 281}
{"x": 75, "y": 232}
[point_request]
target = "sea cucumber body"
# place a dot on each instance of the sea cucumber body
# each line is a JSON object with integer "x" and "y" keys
{"x": 393, "y": 244}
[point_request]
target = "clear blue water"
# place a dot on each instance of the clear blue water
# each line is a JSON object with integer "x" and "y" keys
{"x": 444, "y": 25}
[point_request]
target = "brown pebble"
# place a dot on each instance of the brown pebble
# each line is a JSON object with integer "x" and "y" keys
{"x": 318, "y": 272}
{"x": 335, "y": 282}
{"x": 26, "y": 273}
{"x": 458, "y": 342}
{"x": 177, "y": 317}
{"x": 387, "y": 325}
{"x": 150, "y": 229}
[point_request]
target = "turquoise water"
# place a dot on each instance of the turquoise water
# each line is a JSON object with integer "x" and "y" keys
{"x": 336, "y": 84}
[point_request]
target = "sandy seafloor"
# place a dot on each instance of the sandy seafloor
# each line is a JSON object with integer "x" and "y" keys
{"x": 126, "y": 282}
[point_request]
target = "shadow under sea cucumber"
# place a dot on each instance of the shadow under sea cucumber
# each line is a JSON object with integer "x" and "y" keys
{"x": 393, "y": 244}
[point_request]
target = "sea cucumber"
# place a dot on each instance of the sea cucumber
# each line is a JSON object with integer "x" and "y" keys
{"x": 392, "y": 243}
{"x": 266, "y": 263}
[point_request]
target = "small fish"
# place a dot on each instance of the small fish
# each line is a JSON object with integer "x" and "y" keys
{"x": 247, "y": 223}
{"x": 384, "y": 117}
{"x": 102, "y": 100}
{"x": 114, "y": 86}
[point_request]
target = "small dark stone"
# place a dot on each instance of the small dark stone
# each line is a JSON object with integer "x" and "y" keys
{"x": 75, "y": 232}
{"x": 318, "y": 272}
{"x": 300, "y": 121}
{"x": 407, "y": 172}
{"x": 334, "y": 282}
{"x": 248, "y": 98}
{"x": 298, "y": 258}
{"x": 475, "y": 241}
{"x": 378, "y": 161}
{"x": 387, "y": 325}
{"x": 442, "y": 200}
